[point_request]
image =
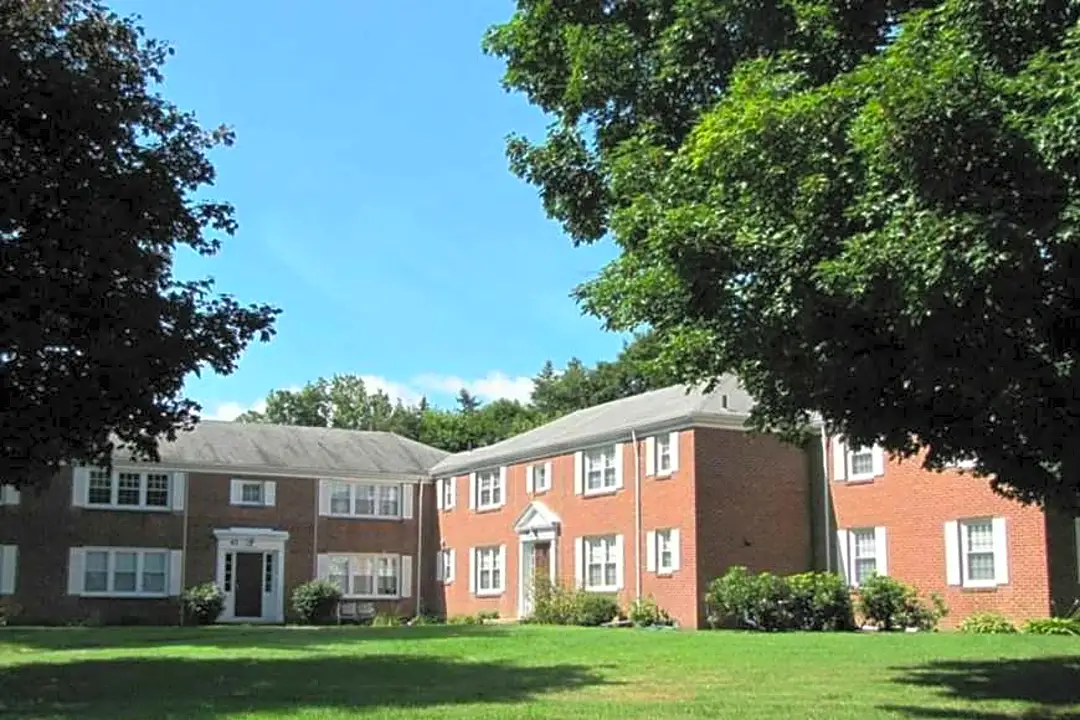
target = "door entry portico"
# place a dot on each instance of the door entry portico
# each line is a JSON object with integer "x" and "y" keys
{"x": 538, "y": 529}
{"x": 251, "y": 572}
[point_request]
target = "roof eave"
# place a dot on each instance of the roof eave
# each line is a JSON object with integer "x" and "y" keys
{"x": 273, "y": 471}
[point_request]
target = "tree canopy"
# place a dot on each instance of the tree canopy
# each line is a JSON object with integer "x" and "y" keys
{"x": 98, "y": 183}
{"x": 868, "y": 210}
{"x": 344, "y": 401}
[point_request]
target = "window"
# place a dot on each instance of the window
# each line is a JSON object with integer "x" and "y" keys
{"x": 9, "y": 495}
{"x": 489, "y": 570}
{"x": 488, "y": 489}
{"x": 541, "y": 478}
{"x": 861, "y": 462}
{"x": 602, "y": 563}
{"x": 864, "y": 554}
{"x": 268, "y": 572}
{"x": 364, "y": 576}
{"x": 125, "y": 572}
{"x": 977, "y": 537}
{"x": 447, "y": 493}
{"x": 600, "y": 469}
{"x": 366, "y": 500}
{"x": 9, "y": 560}
{"x": 136, "y": 490}
{"x": 663, "y": 454}
{"x": 445, "y": 569}
{"x": 665, "y": 551}
{"x": 252, "y": 493}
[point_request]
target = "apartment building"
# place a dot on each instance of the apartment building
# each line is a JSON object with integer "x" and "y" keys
{"x": 654, "y": 495}
{"x": 949, "y": 533}
{"x": 258, "y": 509}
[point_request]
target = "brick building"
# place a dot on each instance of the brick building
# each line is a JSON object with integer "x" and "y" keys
{"x": 653, "y": 495}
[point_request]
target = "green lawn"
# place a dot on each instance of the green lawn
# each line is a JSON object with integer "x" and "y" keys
{"x": 529, "y": 672}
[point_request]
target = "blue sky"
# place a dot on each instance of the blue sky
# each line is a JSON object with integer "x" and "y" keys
{"x": 373, "y": 196}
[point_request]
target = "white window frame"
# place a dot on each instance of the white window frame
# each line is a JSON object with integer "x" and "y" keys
{"x": 491, "y": 559}
{"x": 609, "y": 545}
{"x": 110, "y": 571}
{"x": 541, "y": 477}
{"x": 854, "y": 534}
{"x": 354, "y": 489}
{"x": 966, "y": 551}
{"x": 853, "y": 476}
{"x": 493, "y": 478}
{"x": 267, "y": 492}
{"x": 114, "y": 489}
{"x": 447, "y": 489}
{"x": 445, "y": 568}
{"x": 665, "y": 541}
{"x": 663, "y": 450}
{"x": 367, "y": 565}
{"x": 601, "y": 460}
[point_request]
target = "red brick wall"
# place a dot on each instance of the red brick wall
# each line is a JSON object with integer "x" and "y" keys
{"x": 913, "y": 504}
{"x": 754, "y": 506}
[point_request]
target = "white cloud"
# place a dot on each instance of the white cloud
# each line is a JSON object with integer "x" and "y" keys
{"x": 492, "y": 386}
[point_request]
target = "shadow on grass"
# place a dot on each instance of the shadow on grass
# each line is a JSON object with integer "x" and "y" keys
{"x": 1050, "y": 686}
{"x": 213, "y": 688}
{"x": 231, "y": 636}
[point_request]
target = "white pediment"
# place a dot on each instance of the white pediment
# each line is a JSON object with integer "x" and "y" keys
{"x": 537, "y": 516}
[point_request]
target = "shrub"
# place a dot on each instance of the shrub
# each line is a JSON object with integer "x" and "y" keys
{"x": 315, "y": 600}
{"x": 1052, "y": 626}
{"x": 485, "y": 615}
{"x": 385, "y": 620}
{"x": 462, "y": 620}
{"x": 557, "y": 605}
{"x": 644, "y": 612}
{"x": 892, "y": 605}
{"x": 763, "y": 601}
{"x": 9, "y": 611}
{"x": 987, "y": 623}
{"x": 203, "y": 603}
{"x": 593, "y": 609}
{"x": 426, "y": 619}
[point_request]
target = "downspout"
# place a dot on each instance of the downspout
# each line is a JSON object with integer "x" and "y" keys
{"x": 637, "y": 516}
{"x": 826, "y": 497}
{"x": 419, "y": 545}
{"x": 183, "y": 542}
{"x": 315, "y": 532}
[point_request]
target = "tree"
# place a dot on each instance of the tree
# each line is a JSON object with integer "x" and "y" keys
{"x": 342, "y": 401}
{"x": 467, "y": 403}
{"x": 868, "y": 210}
{"x": 98, "y": 174}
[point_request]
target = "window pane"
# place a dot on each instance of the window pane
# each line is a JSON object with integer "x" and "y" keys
{"x": 338, "y": 573}
{"x": 596, "y": 575}
{"x": 124, "y": 572}
{"x": 862, "y": 463}
{"x": 980, "y": 536}
{"x": 154, "y": 572}
{"x": 981, "y": 566}
{"x": 864, "y": 544}
{"x": 251, "y": 492}
{"x": 496, "y": 579}
{"x": 339, "y": 499}
{"x": 97, "y": 572}
{"x": 864, "y": 568}
{"x": 100, "y": 488}
{"x": 268, "y": 574}
{"x": 389, "y": 498}
{"x": 609, "y": 477}
{"x": 157, "y": 490}
{"x": 609, "y": 575}
{"x": 387, "y": 576}
{"x": 366, "y": 499}
{"x": 128, "y": 494}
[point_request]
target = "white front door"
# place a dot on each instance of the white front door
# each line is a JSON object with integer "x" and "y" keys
{"x": 250, "y": 571}
{"x": 536, "y": 563}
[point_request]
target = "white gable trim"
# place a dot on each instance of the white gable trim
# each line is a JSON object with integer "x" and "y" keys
{"x": 537, "y": 520}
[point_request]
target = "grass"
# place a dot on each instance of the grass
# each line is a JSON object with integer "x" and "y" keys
{"x": 529, "y": 672}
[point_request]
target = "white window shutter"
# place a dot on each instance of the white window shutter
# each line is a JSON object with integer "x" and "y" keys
{"x": 844, "y": 555}
{"x": 453, "y": 493}
{"x": 502, "y": 485}
{"x": 406, "y": 576}
{"x": 472, "y": 571}
{"x": 1001, "y": 552}
{"x": 549, "y": 479}
{"x": 439, "y": 494}
{"x": 270, "y": 493}
{"x": 502, "y": 568}
{"x": 236, "y": 492}
{"x": 579, "y": 472}
{"x": 650, "y": 456}
{"x": 472, "y": 491}
{"x": 618, "y": 465}
{"x": 439, "y": 566}
{"x": 453, "y": 566}
{"x": 579, "y": 562}
{"x": 839, "y": 457}
{"x": 176, "y": 572}
{"x": 530, "y": 479}
{"x": 80, "y": 486}
{"x": 324, "y": 497}
{"x": 9, "y": 561}
{"x": 674, "y": 451}
{"x": 676, "y": 550}
{"x": 650, "y": 551}
{"x": 620, "y": 561}
{"x": 178, "y": 487}
{"x": 322, "y": 567}
{"x": 952, "y": 553}
{"x": 408, "y": 490}
{"x": 878, "y": 454}
{"x": 881, "y": 550}
{"x": 76, "y": 570}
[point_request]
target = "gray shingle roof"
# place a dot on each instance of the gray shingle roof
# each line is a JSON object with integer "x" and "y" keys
{"x": 305, "y": 451}
{"x": 670, "y": 407}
